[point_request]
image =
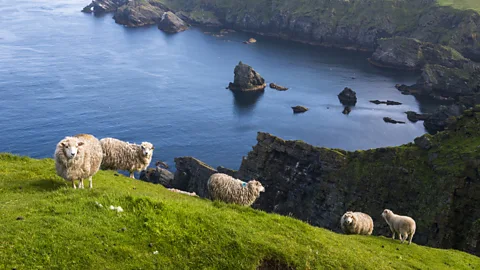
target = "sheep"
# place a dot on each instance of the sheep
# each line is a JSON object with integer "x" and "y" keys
{"x": 403, "y": 226}
{"x": 230, "y": 190}
{"x": 356, "y": 223}
{"x": 77, "y": 158}
{"x": 120, "y": 155}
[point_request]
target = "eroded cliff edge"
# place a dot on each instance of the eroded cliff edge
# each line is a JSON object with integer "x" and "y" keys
{"x": 436, "y": 180}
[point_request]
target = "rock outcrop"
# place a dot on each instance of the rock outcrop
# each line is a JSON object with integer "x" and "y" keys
{"x": 278, "y": 87}
{"x": 299, "y": 109}
{"x": 157, "y": 176}
{"x": 246, "y": 79}
{"x": 415, "y": 117}
{"x": 348, "y": 97}
{"x": 171, "y": 23}
{"x": 412, "y": 54}
{"x": 140, "y": 13}
{"x": 442, "y": 117}
{"x": 103, "y": 6}
{"x": 436, "y": 181}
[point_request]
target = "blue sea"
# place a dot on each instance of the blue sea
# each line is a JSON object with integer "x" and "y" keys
{"x": 63, "y": 72}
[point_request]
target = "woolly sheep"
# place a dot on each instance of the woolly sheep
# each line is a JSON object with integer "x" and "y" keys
{"x": 77, "y": 158}
{"x": 403, "y": 226}
{"x": 356, "y": 223}
{"x": 120, "y": 155}
{"x": 230, "y": 190}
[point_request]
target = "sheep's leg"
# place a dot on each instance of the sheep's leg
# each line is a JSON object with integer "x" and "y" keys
{"x": 393, "y": 234}
{"x": 132, "y": 175}
{"x": 80, "y": 184}
{"x": 402, "y": 237}
{"x": 410, "y": 238}
{"x": 73, "y": 182}
{"x": 90, "y": 182}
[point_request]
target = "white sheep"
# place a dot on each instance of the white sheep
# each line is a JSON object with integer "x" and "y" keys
{"x": 403, "y": 226}
{"x": 120, "y": 155}
{"x": 356, "y": 223}
{"x": 230, "y": 190}
{"x": 77, "y": 158}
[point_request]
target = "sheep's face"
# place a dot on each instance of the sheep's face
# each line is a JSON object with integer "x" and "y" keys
{"x": 70, "y": 148}
{"x": 349, "y": 218}
{"x": 147, "y": 149}
{"x": 386, "y": 213}
{"x": 257, "y": 185}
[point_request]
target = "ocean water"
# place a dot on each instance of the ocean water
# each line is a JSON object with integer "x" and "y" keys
{"x": 63, "y": 72}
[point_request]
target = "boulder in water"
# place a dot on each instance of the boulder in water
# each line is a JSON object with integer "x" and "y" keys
{"x": 348, "y": 97}
{"x": 278, "y": 87}
{"x": 299, "y": 109}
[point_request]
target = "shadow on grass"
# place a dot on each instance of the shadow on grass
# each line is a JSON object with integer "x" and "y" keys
{"x": 48, "y": 184}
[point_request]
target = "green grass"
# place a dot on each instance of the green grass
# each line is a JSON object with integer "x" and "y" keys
{"x": 65, "y": 229}
{"x": 461, "y": 4}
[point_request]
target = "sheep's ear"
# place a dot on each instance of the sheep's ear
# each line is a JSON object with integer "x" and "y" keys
{"x": 63, "y": 144}
{"x": 80, "y": 143}
{"x": 153, "y": 147}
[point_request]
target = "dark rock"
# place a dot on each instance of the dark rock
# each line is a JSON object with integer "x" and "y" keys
{"x": 150, "y": 245}
{"x": 438, "y": 120}
{"x": 423, "y": 142}
{"x": 348, "y": 97}
{"x": 347, "y": 110}
{"x": 20, "y": 218}
{"x": 227, "y": 171}
{"x": 388, "y": 102}
{"x": 414, "y": 117}
{"x": 246, "y": 79}
{"x": 171, "y": 23}
{"x": 158, "y": 175}
{"x": 192, "y": 175}
{"x": 136, "y": 13}
{"x": 278, "y": 87}
{"x": 103, "y": 6}
{"x": 299, "y": 109}
{"x": 390, "y": 120}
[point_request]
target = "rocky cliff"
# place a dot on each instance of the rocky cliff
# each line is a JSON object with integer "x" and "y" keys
{"x": 349, "y": 24}
{"x": 436, "y": 181}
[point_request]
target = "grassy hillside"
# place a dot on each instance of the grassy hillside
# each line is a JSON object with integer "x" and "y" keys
{"x": 46, "y": 224}
{"x": 461, "y": 4}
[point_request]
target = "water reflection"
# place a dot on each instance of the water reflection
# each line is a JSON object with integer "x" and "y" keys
{"x": 245, "y": 102}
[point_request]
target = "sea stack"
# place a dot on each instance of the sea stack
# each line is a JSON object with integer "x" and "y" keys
{"x": 246, "y": 79}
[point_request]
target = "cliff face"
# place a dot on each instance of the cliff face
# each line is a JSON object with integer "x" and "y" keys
{"x": 438, "y": 184}
{"x": 350, "y": 24}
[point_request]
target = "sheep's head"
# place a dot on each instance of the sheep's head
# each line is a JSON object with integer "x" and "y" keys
{"x": 349, "y": 218}
{"x": 147, "y": 149}
{"x": 254, "y": 184}
{"x": 386, "y": 213}
{"x": 70, "y": 147}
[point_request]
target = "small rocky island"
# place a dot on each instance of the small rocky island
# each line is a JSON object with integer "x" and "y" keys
{"x": 246, "y": 79}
